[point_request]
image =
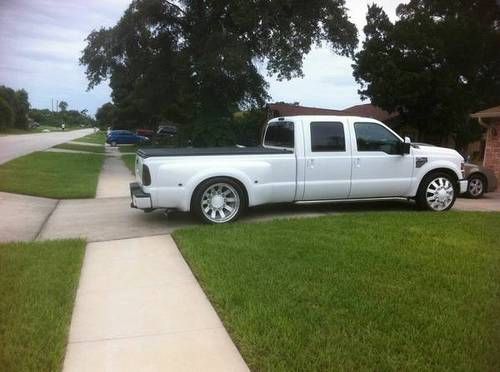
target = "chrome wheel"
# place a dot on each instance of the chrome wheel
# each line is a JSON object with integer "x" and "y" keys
{"x": 439, "y": 194}
{"x": 220, "y": 202}
{"x": 475, "y": 187}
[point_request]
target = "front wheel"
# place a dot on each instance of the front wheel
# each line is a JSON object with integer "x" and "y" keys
{"x": 218, "y": 200}
{"x": 475, "y": 187}
{"x": 437, "y": 192}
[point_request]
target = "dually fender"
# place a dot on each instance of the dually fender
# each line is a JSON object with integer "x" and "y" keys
{"x": 253, "y": 175}
{"x": 429, "y": 167}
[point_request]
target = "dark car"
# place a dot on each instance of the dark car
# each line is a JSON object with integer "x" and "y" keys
{"x": 125, "y": 137}
{"x": 481, "y": 180}
{"x": 145, "y": 132}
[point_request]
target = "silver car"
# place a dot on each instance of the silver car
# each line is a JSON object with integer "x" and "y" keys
{"x": 481, "y": 180}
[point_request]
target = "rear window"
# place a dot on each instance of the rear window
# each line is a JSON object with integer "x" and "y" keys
{"x": 280, "y": 134}
{"x": 327, "y": 137}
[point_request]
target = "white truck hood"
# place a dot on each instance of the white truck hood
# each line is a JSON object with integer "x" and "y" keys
{"x": 423, "y": 149}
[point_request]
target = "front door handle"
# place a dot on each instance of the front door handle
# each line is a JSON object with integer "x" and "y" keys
{"x": 310, "y": 163}
{"x": 357, "y": 162}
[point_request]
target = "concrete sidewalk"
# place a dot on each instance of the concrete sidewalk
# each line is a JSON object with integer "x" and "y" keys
{"x": 139, "y": 308}
{"x": 22, "y": 217}
{"x": 114, "y": 178}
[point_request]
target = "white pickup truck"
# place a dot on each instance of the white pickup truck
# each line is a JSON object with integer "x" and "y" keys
{"x": 301, "y": 159}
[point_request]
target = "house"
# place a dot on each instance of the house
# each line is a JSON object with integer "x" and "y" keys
{"x": 490, "y": 119}
{"x": 367, "y": 110}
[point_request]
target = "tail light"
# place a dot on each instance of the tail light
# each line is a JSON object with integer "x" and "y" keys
{"x": 462, "y": 168}
{"x": 146, "y": 176}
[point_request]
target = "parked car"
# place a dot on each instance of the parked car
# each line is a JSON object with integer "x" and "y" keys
{"x": 480, "y": 180}
{"x": 302, "y": 159}
{"x": 166, "y": 131}
{"x": 124, "y": 137}
{"x": 149, "y": 133}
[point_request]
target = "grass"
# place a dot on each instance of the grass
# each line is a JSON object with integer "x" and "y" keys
{"x": 129, "y": 161}
{"x": 98, "y": 138}
{"x": 38, "y": 282}
{"x": 380, "y": 291}
{"x": 77, "y": 147}
{"x": 52, "y": 175}
{"x": 128, "y": 149}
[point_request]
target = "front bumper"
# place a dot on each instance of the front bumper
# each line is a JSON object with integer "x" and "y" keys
{"x": 463, "y": 185}
{"x": 140, "y": 199}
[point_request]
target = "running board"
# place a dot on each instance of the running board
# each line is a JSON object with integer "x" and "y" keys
{"x": 350, "y": 200}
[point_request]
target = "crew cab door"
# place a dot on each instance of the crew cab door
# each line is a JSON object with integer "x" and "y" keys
{"x": 379, "y": 169}
{"x": 328, "y": 160}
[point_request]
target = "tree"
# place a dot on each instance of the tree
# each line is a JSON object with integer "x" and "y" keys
{"x": 195, "y": 62}
{"x": 63, "y": 106}
{"x": 435, "y": 65}
{"x": 6, "y": 114}
{"x": 19, "y": 103}
{"x": 105, "y": 115}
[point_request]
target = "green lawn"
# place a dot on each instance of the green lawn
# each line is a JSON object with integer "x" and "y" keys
{"x": 129, "y": 162}
{"x": 374, "y": 291}
{"x": 99, "y": 138}
{"x": 128, "y": 149}
{"x": 38, "y": 282}
{"x": 77, "y": 147}
{"x": 53, "y": 175}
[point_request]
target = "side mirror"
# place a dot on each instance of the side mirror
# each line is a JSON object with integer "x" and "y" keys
{"x": 405, "y": 146}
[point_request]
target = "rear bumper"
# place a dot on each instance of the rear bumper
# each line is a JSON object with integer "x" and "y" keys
{"x": 140, "y": 199}
{"x": 463, "y": 185}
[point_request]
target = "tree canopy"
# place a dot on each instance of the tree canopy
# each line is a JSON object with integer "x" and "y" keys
{"x": 435, "y": 65}
{"x": 6, "y": 114}
{"x": 198, "y": 61}
{"x": 17, "y": 101}
{"x": 63, "y": 106}
{"x": 105, "y": 115}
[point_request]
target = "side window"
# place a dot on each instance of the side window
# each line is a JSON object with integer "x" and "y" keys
{"x": 327, "y": 136}
{"x": 374, "y": 137}
{"x": 280, "y": 134}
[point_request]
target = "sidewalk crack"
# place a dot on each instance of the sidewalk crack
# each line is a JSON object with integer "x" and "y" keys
{"x": 44, "y": 223}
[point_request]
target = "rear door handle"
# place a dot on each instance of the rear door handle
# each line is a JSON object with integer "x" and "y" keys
{"x": 310, "y": 163}
{"x": 357, "y": 162}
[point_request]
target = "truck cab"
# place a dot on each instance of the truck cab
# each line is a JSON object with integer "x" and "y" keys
{"x": 301, "y": 159}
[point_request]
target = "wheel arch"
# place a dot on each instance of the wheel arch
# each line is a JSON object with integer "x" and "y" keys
{"x": 232, "y": 178}
{"x": 448, "y": 171}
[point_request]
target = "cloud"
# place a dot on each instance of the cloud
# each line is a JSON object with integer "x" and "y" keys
{"x": 41, "y": 42}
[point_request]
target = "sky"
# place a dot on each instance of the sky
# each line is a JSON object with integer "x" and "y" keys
{"x": 41, "y": 42}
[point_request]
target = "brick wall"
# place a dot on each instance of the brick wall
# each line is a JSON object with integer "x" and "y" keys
{"x": 492, "y": 149}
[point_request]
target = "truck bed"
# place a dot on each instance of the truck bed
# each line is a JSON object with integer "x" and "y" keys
{"x": 208, "y": 151}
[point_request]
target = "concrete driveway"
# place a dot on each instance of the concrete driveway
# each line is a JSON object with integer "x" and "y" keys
{"x": 14, "y": 146}
{"x": 488, "y": 203}
{"x": 27, "y": 218}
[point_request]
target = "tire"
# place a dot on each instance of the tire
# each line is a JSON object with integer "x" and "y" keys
{"x": 476, "y": 186}
{"x": 113, "y": 143}
{"x": 218, "y": 200}
{"x": 437, "y": 192}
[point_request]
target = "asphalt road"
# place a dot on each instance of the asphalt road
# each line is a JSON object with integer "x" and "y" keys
{"x": 13, "y": 146}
